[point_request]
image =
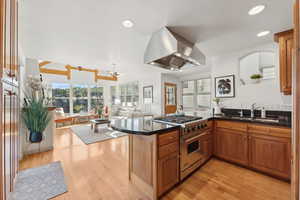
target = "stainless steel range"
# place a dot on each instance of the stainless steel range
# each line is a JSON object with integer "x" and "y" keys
{"x": 195, "y": 141}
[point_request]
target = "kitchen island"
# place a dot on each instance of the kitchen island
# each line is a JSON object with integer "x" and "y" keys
{"x": 153, "y": 154}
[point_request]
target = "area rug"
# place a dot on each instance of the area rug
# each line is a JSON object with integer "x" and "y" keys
{"x": 87, "y": 135}
{"x": 40, "y": 183}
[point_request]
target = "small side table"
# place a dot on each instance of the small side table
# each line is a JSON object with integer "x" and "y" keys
{"x": 96, "y": 122}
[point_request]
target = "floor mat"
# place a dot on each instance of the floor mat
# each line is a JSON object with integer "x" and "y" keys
{"x": 87, "y": 135}
{"x": 40, "y": 183}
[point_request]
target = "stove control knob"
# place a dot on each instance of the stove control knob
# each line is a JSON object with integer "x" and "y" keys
{"x": 205, "y": 125}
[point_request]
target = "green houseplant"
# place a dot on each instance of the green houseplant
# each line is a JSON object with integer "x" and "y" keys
{"x": 256, "y": 78}
{"x": 35, "y": 112}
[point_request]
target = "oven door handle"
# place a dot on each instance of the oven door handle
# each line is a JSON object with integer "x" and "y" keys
{"x": 195, "y": 137}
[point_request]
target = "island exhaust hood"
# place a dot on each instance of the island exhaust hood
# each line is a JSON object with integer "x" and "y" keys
{"x": 171, "y": 51}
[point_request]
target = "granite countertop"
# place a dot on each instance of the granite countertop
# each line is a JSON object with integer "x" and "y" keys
{"x": 141, "y": 126}
{"x": 283, "y": 123}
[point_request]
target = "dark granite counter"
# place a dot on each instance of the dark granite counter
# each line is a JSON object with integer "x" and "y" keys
{"x": 282, "y": 123}
{"x": 141, "y": 126}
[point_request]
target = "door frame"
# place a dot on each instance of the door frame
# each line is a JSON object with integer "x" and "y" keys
{"x": 165, "y": 95}
{"x": 296, "y": 107}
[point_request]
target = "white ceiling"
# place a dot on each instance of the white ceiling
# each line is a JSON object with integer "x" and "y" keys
{"x": 89, "y": 32}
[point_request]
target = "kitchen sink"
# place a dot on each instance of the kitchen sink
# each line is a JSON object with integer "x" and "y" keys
{"x": 266, "y": 120}
{"x": 255, "y": 119}
{"x": 241, "y": 118}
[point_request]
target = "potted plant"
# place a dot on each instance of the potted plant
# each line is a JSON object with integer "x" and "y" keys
{"x": 36, "y": 117}
{"x": 256, "y": 78}
{"x": 217, "y": 106}
{"x": 35, "y": 112}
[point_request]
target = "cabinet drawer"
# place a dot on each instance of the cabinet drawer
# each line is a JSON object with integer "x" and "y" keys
{"x": 168, "y": 138}
{"x": 168, "y": 149}
{"x": 269, "y": 130}
{"x": 238, "y": 126}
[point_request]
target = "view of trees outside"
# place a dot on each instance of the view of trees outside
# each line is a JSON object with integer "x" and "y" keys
{"x": 80, "y": 98}
{"x": 61, "y": 96}
{"x": 80, "y": 105}
{"x": 97, "y": 101}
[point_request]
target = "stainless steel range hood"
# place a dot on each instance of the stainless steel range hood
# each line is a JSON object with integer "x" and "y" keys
{"x": 171, "y": 51}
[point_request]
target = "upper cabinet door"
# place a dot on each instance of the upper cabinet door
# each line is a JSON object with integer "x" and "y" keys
{"x": 285, "y": 40}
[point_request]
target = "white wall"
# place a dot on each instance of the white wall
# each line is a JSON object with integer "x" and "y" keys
{"x": 146, "y": 76}
{"x": 267, "y": 93}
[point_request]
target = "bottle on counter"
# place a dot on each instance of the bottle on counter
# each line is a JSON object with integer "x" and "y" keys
{"x": 263, "y": 112}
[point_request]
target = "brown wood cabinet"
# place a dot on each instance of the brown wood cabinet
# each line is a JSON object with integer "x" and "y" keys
{"x": 232, "y": 145}
{"x": 285, "y": 40}
{"x": 154, "y": 162}
{"x": 260, "y": 147}
{"x": 168, "y": 172}
{"x": 9, "y": 73}
{"x": 168, "y": 163}
{"x": 270, "y": 150}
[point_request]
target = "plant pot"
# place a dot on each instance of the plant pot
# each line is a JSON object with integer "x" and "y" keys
{"x": 256, "y": 80}
{"x": 35, "y": 137}
{"x": 218, "y": 110}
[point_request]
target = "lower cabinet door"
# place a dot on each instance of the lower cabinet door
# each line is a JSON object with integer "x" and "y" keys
{"x": 206, "y": 147}
{"x": 168, "y": 172}
{"x": 232, "y": 146}
{"x": 271, "y": 155}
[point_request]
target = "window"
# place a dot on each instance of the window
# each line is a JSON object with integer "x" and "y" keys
{"x": 84, "y": 98}
{"x": 113, "y": 93}
{"x": 61, "y": 96}
{"x": 203, "y": 93}
{"x": 80, "y": 98}
{"x": 97, "y": 101}
{"x": 188, "y": 90}
{"x": 129, "y": 94}
{"x": 196, "y": 94}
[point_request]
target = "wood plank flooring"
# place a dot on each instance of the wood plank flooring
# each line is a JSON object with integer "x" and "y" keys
{"x": 100, "y": 172}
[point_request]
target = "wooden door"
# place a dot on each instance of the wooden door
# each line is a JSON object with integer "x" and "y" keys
{"x": 7, "y": 140}
{"x": 170, "y": 98}
{"x": 14, "y": 131}
{"x": 232, "y": 146}
{"x": 296, "y": 107}
{"x": 168, "y": 172}
{"x": 9, "y": 69}
{"x": 270, "y": 154}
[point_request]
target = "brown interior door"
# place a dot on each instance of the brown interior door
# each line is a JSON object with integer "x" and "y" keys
{"x": 170, "y": 98}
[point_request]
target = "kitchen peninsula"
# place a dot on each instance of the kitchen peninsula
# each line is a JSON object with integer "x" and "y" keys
{"x": 153, "y": 154}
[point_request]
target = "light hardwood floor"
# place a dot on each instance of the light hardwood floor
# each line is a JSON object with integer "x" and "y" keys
{"x": 100, "y": 172}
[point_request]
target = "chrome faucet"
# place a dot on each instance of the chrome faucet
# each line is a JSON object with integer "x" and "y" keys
{"x": 252, "y": 109}
{"x": 241, "y": 113}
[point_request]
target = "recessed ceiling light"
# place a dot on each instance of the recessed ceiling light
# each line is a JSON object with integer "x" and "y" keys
{"x": 256, "y": 10}
{"x": 127, "y": 23}
{"x": 263, "y": 33}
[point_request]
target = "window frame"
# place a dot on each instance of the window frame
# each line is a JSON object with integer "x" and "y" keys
{"x": 73, "y": 98}
{"x": 195, "y": 94}
{"x": 126, "y": 95}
